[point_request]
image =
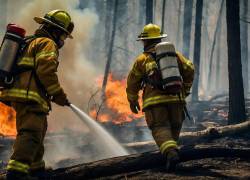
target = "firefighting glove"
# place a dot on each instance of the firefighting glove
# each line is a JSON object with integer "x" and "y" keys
{"x": 61, "y": 99}
{"x": 134, "y": 106}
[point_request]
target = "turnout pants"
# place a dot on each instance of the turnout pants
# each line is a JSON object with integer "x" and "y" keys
{"x": 28, "y": 149}
{"x": 165, "y": 122}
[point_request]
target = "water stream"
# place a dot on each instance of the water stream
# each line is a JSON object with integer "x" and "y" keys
{"x": 106, "y": 141}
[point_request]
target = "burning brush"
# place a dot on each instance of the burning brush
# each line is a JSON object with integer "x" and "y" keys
{"x": 7, "y": 121}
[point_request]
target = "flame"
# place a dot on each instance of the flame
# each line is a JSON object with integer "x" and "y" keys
{"x": 116, "y": 107}
{"x": 7, "y": 121}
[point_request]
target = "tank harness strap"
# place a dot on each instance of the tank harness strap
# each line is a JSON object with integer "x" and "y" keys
{"x": 37, "y": 80}
{"x": 28, "y": 40}
{"x": 149, "y": 81}
{"x": 33, "y": 70}
{"x": 171, "y": 54}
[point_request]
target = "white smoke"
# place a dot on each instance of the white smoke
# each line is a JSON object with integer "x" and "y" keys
{"x": 75, "y": 68}
{"x": 77, "y": 75}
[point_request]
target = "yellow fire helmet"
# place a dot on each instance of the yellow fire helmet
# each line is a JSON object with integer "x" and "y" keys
{"x": 151, "y": 31}
{"x": 58, "y": 18}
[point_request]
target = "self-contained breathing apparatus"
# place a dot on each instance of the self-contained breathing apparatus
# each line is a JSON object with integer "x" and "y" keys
{"x": 10, "y": 48}
{"x": 166, "y": 75}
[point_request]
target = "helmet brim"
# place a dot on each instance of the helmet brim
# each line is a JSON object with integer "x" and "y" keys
{"x": 41, "y": 20}
{"x": 147, "y": 38}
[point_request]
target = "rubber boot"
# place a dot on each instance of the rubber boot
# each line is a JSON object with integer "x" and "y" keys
{"x": 172, "y": 160}
{"x": 15, "y": 175}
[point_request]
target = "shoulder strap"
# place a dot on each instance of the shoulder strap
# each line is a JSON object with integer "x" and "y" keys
{"x": 28, "y": 40}
{"x": 152, "y": 55}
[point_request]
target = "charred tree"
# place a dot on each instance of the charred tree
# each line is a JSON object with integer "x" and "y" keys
{"x": 163, "y": 15}
{"x": 188, "y": 10}
{"x": 126, "y": 40}
{"x": 119, "y": 64}
{"x": 218, "y": 60}
{"x": 110, "y": 50}
{"x": 197, "y": 48}
{"x": 149, "y": 11}
{"x": 217, "y": 29}
{"x": 236, "y": 92}
{"x": 3, "y": 9}
{"x": 142, "y": 12}
{"x": 109, "y": 6}
{"x": 244, "y": 45}
{"x": 179, "y": 26}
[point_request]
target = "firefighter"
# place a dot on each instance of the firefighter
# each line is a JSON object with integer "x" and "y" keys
{"x": 164, "y": 112}
{"x": 36, "y": 85}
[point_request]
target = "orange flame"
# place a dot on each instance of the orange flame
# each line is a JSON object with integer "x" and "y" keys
{"x": 116, "y": 108}
{"x": 7, "y": 121}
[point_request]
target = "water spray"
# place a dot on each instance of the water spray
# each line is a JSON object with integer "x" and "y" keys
{"x": 103, "y": 136}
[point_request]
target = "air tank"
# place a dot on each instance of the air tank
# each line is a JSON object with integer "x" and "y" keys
{"x": 167, "y": 61}
{"x": 9, "y": 49}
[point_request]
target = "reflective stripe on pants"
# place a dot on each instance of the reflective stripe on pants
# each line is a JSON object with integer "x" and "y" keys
{"x": 18, "y": 166}
{"x": 167, "y": 145}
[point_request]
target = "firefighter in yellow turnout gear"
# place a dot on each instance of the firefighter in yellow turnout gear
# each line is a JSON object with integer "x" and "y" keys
{"x": 36, "y": 84}
{"x": 163, "y": 111}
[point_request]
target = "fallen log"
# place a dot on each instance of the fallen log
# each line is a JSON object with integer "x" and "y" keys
{"x": 195, "y": 137}
{"x": 215, "y": 132}
{"x": 148, "y": 160}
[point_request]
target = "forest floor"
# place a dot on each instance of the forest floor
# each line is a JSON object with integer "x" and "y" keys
{"x": 216, "y": 168}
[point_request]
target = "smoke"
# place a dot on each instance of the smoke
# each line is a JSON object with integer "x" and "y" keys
{"x": 75, "y": 70}
{"x": 77, "y": 76}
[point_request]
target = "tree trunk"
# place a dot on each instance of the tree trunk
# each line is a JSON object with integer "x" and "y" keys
{"x": 110, "y": 50}
{"x": 188, "y": 10}
{"x": 108, "y": 25}
{"x": 236, "y": 92}
{"x": 126, "y": 31}
{"x": 179, "y": 26}
{"x": 244, "y": 45}
{"x": 3, "y": 11}
{"x": 142, "y": 12}
{"x": 206, "y": 45}
{"x": 149, "y": 11}
{"x": 197, "y": 48}
{"x": 218, "y": 60}
{"x": 218, "y": 27}
{"x": 163, "y": 16}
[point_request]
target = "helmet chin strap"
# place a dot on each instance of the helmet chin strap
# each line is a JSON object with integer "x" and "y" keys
{"x": 60, "y": 43}
{"x": 53, "y": 35}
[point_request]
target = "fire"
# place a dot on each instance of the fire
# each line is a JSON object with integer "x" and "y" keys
{"x": 116, "y": 107}
{"x": 7, "y": 121}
